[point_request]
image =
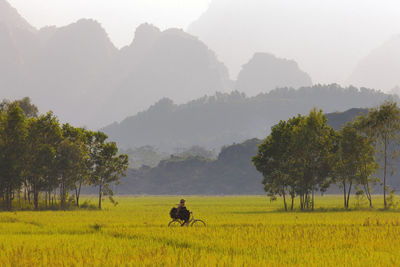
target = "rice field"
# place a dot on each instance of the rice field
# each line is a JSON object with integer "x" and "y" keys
{"x": 241, "y": 231}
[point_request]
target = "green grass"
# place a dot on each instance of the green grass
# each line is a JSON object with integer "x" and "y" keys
{"x": 241, "y": 231}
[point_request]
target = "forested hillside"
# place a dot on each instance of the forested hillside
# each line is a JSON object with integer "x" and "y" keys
{"x": 223, "y": 119}
{"x": 231, "y": 173}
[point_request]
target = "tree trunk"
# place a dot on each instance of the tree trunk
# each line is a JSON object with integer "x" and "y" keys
{"x": 78, "y": 192}
{"x": 291, "y": 207}
{"x": 368, "y": 194}
{"x": 348, "y": 195}
{"x": 36, "y": 200}
{"x": 284, "y": 199}
{"x": 312, "y": 201}
{"x": 344, "y": 194}
{"x": 384, "y": 174}
{"x": 19, "y": 198}
{"x": 8, "y": 198}
{"x": 100, "y": 194}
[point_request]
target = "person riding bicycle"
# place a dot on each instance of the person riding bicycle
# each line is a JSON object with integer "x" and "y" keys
{"x": 182, "y": 213}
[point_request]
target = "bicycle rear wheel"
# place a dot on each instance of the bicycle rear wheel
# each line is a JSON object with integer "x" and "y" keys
{"x": 174, "y": 223}
{"x": 198, "y": 223}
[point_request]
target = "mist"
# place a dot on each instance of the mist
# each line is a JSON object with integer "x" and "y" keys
{"x": 327, "y": 38}
{"x": 102, "y": 62}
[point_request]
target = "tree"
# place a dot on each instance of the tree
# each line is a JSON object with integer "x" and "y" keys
{"x": 74, "y": 160}
{"x": 382, "y": 124}
{"x": 314, "y": 144}
{"x": 108, "y": 166}
{"x": 355, "y": 162}
{"x": 44, "y": 137}
{"x": 297, "y": 157}
{"x": 274, "y": 160}
{"x": 12, "y": 149}
{"x": 25, "y": 104}
{"x": 70, "y": 164}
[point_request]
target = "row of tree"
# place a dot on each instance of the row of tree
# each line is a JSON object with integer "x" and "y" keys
{"x": 39, "y": 157}
{"x": 304, "y": 155}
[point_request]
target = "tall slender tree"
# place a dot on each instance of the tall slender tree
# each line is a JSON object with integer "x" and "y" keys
{"x": 108, "y": 166}
{"x": 274, "y": 160}
{"x": 382, "y": 124}
{"x": 314, "y": 144}
{"x": 12, "y": 149}
{"x": 354, "y": 162}
{"x": 44, "y": 137}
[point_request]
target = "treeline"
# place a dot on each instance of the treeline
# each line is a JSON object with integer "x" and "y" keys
{"x": 42, "y": 161}
{"x": 193, "y": 172}
{"x": 304, "y": 155}
{"x": 227, "y": 118}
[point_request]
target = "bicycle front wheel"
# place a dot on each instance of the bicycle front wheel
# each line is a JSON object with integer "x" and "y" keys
{"x": 174, "y": 223}
{"x": 198, "y": 223}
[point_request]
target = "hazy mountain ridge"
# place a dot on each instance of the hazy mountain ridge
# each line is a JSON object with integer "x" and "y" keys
{"x": 223, "y": 119}
{"x": 11, "y": 17}
{"x": 327, "y": 38}
{"x": 265, "y": 72}
{"x": 232, "y": 173}
{"x": 77, "y": 72}
{"x": 381, "y": 68}
{"x": 168, "y": 63}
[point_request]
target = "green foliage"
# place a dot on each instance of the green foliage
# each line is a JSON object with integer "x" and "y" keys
{"x": 354, "y": 162}
{"x": 382, "y": 125}
{"x": 226, "y": 118}
{"x": 144, "y": 156}
{"x": 13, "y": 132}
{"x": 38, "y": 157}
{"x": 107, "y": 165}
{"x": 296, "y": 158}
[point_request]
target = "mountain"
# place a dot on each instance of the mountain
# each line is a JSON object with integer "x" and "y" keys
{"x": 11, "y": 17}
{"x": 73, "y": 70}
{"x": 339, "y": 119}
{"x": 79, "y": 74}
{"x": 326, "y": 38}
{"x": 223, "y": 119}
{"x": 231, "y": 173}
{"x": 265, "y": 72}
{"x": 168, "y": 63}
{"x": 17, "y": 47}
{"x": 381, "y": 68}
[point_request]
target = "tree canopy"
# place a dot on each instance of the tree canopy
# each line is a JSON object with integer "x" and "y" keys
{"x": 40, "y": 157}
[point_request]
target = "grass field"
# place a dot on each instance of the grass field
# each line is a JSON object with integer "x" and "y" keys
{"x": 241, "y": 231}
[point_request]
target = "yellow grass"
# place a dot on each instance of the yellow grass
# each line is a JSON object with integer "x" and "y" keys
{"x": 241, "y": 231}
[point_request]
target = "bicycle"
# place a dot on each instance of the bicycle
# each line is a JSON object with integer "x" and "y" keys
{"x": 192, "y": 222}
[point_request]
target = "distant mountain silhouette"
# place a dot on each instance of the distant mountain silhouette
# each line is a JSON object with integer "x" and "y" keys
{"x": 17, "y": 47}
{"x": 74, "y": 69}
{"x": 338, "y": 119}
{"x": 169, "y": 64}
{"x": 11, "y": 17}
{"x": 381, "y": 68}
{"x": 265, "y": 72}
{"x": 77, "y": 72}
{"x": 223, "y": 119}
{"x": 326, "y": 38}
{"x": 231, "y": 173}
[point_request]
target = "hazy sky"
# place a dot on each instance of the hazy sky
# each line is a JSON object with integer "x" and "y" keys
{"x": 118, "y": 17}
